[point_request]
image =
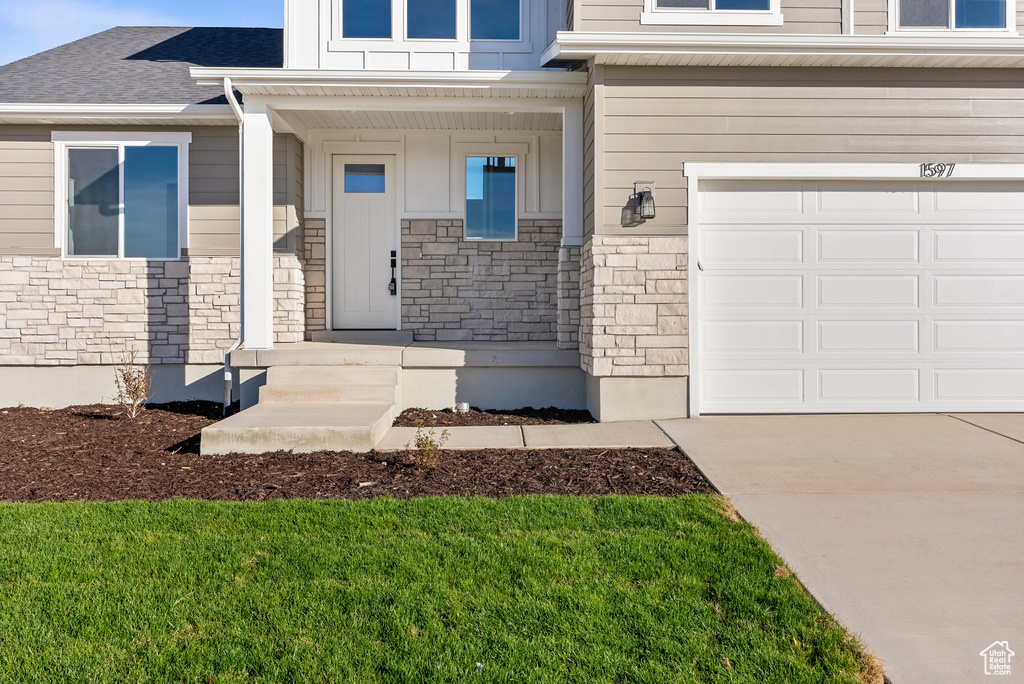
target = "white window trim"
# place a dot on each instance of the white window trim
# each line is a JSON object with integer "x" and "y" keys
{"x": 63, "y": 140}
{"x": 504, "y": 151}
{"x": 679, "y": 16}
{"x": 934, "y": 32}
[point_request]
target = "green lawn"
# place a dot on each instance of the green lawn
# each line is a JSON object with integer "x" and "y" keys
{"x": 535, "y": 589}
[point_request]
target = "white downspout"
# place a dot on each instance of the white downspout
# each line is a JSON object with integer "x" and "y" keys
{"x": 229, "y": 93}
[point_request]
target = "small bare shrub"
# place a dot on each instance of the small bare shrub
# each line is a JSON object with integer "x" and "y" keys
{"x": 133, "y": 384}
{"x": 428, "y": 445}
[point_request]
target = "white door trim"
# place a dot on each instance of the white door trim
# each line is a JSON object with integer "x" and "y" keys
{"x": 399, "y": 196}
{"x": 695, "y": 172}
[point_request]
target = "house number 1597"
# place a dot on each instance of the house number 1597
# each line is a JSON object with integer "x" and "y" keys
{"x": 937, "y": 170}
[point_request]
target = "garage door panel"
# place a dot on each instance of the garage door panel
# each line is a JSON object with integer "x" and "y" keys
{"x": 870, "y": 336}
{"x": 766, "y": 337}
{"x": 979, "y": 244}
{"x": 979, "y": 291}
{"x": 868, "y": 291}
{"x": 979, "y": 337}
{"x": 778, "y": 386}
{"x": 871, "y": 385}
{"x": 730, "y": 247}
{"x": 868, "y": 246}
{"x": 980, "y": 385}
{"x": 739, "y": 291}
{"x": 909, "y": 297}
{"x": 867, "y": 198}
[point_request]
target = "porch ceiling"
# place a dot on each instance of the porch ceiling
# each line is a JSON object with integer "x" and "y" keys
{"x": 431, "y": 121}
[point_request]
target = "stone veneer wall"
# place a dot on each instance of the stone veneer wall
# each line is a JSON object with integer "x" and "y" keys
{"x": 633, "y": 306}
{"x": 315, "y": 260}
{"x": 453, "y": 289}
{"x": 569, "y": 298}
{"x": 56, "y": 312}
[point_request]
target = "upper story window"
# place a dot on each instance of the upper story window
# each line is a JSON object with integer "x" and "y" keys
{"x": 954, "y": 14}
{"x": 121, "y": 196}
{"x": 431, "y": 19}
{"x": 494, "y": 19}
{"x": 712, "y": 12}
{"x": 366, "y": 18}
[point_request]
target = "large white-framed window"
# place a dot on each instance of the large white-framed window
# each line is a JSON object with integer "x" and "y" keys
{"x": 121, "y": 195}
{"x": 943, "y": 17}
{"x": 492, "y": 198}
{"x": 712, "y": 12}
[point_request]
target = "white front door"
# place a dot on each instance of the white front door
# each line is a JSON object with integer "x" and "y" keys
{"x": 365, "y": 240}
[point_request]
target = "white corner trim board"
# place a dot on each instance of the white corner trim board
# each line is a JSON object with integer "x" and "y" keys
{"x": 855, "y": 287}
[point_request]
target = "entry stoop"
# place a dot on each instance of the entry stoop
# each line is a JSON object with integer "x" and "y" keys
{"x": 311, "y": 408}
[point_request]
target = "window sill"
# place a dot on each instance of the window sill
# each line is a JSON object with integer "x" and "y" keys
{"x": 712, "y": 18}
{"x": 953, "y": 33}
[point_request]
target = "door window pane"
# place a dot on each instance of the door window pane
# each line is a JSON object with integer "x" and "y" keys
{"x": 491, "y": 198}
{"x": 494, "y": 19}
{"x": 93, "y": 202}
{"x": 366, "y": 18}
{"x": 364, "y": 178}
{"x": 151, "y": 202}
{"x": 431, "y": 19}
{"x": 981, "y": 14}
{"x": 924, "y": 13}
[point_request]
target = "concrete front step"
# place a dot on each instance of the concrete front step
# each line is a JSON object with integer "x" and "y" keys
{"x": 328, "y": 394}
{"x": 332, "y": 375}
{"x": 299, "y": 428}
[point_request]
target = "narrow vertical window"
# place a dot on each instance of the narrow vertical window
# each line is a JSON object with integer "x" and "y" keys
{"x": 151, "y": 202}
{"x": 490, "y": 198}
{"x": 366, "y": 18}
{"x": 494, "y": 19}
{"x": 431, "y": 19}
{"x": 93, "y": 202}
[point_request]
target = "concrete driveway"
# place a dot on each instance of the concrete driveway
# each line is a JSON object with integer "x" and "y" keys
{"x": 908, "y": 528}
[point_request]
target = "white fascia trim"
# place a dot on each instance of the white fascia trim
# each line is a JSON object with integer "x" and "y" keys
{"x": 580, "y": 46}
{"x": 115, "y": 113}
{"x": 241, "y": 78}
{"x": 695, "y": 172}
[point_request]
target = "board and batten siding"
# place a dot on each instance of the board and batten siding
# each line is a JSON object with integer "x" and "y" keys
{"x": 799, "y": 16}
{"x": 26, "y": 190}
{"x": 656, "y": 119}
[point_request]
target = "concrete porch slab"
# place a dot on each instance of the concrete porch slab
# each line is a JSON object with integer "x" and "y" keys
{"x": 595, "y": 435}
{"x": 500, "y": 437}
{"x": 906, "y": 528}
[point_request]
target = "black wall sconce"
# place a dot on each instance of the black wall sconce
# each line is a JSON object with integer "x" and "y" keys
{"x": 644, "y": 193}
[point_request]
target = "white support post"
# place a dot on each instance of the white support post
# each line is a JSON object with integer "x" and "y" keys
{"x": 572, "y": 173}
{"x": 258, "y": 226}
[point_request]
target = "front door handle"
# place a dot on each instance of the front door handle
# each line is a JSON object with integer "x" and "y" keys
{"x": 393, "y": 285}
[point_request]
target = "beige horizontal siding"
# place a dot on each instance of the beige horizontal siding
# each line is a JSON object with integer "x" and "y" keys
{"x": 799, "y": 16}
{"x": 870, "y": 17}
{"x": 26, "y": 191}
{"x": 655, "y": 120}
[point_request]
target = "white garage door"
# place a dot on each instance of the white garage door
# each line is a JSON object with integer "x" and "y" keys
{"x": 843, "y": 296}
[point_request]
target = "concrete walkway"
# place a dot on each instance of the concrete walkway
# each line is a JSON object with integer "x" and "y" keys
{"x": 908, "y": 528}
{"x": 584, "y": 436}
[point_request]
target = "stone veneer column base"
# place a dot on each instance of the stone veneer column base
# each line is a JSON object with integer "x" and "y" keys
{"x": 620, "y": 398}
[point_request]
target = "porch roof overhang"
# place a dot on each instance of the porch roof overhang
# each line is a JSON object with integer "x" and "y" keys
{"x": 313, "y": 89}
{"x": 762, "y": 50}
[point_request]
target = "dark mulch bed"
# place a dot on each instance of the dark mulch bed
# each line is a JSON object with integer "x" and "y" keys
{"x": 415, "y": 417}
{"x": 96, "y": 453}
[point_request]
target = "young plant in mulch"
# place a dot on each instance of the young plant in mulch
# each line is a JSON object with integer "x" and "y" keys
{"x": 133, "y": 383}
{"x": 428, "y": 446}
